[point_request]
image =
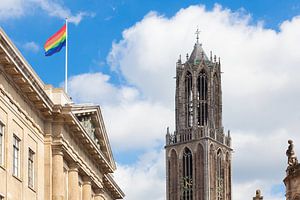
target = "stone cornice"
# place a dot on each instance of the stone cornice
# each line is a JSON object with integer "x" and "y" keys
{"x": 23, "y": 75}
{"x": 112, "y": 187}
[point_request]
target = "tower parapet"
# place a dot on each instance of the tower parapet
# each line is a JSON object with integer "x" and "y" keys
{"x": 188, "y": 134}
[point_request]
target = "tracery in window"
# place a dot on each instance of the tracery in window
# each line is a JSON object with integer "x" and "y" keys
{"x": 220, "y": 176}
{"x": 187, "y": 180}
{"x": 189, "y": 99}
{"x": 216, "y": 101}
{"x": 202, "y": 103}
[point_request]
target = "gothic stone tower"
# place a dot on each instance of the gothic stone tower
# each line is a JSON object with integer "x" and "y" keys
{"x": 198, "y": 154}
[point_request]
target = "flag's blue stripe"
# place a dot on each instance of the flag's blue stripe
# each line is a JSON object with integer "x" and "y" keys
{"x": 55, "y": 49}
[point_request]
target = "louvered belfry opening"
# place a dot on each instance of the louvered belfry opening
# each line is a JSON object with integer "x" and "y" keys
{"x": 216, "y": 101}
{"x": 202, "y": 99}
{"x": 189, "y": 99}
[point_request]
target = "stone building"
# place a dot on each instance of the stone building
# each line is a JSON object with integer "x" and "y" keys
{"x": 292, "y": 179}
{"x": 50, "y": 148}
{"x": 198, "y": 154}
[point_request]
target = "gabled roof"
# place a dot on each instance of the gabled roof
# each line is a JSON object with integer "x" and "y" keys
{"x": 94, "y": 112}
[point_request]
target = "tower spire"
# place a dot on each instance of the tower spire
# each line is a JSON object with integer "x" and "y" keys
{"x": 197, "y": 34}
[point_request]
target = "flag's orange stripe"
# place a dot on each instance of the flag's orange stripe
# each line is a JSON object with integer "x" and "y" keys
{"x": 55, "y": 37}
{"x": 54, "y": 44}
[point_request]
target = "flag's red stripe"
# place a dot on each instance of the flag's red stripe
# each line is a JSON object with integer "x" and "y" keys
{"x": 56, "y": 36}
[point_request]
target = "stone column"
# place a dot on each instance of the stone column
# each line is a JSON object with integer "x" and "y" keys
{"x": 99, "y": 195}
{"x": 73, "y": 188}
{"x": 86, "y": 188}
{"x": 57, "y": 174}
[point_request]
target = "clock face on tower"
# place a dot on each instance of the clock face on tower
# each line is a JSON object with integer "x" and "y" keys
{"x": 187, "y": 183}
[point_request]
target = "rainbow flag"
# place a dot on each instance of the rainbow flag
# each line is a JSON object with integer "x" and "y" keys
{"x": 56, "y": 42}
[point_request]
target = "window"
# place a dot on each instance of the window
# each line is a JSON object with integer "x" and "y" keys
{"x": 31, "y": 168}
{"x": 1, "y": 145}
{"x": 16, "y": 156}
{"x": 216, "y": 101}
{"x": 202, "y": 105}
{"x": 187, "y": 175}
{"x": 220, "y": 176}
{"x": 189, "y": 99}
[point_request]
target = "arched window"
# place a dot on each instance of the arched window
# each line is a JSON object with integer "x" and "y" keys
{"x": 189, "y": 99}
{"x": 202, "y": 106}
{"x": 187, "y": 176}
{"x": 216, "y": 101}
{"x": 220, "y": 176}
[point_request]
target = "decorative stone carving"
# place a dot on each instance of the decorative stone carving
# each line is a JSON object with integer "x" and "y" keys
{"x": 290, "y": 152}
{"x": 89, "y": 127}
{"x": 86, "y": 122}
{"x": 258, "y": 195}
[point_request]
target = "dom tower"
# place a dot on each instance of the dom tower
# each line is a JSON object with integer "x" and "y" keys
{"x": 198, "y": 154}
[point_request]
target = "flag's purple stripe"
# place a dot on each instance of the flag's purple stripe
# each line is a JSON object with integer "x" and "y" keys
{"x": 55, "y": 49}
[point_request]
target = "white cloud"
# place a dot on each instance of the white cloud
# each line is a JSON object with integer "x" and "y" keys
{"x": 145, "y": 179}
{"x": 126, "y": 115}
{"x": 57, "y": 10}
{"x": 11, "y": 8}
{"x": 260, "y": 84}
{"x": 17, "y": 8}
{"x": 31, "y": 46}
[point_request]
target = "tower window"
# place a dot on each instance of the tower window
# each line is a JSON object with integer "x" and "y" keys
{"x": 202, "y": 104}
{"x": 189, "y": 99}
{"x": 216, "y": 102}
{"x": 220, "y": 177}
{"x": 187, "y": 178}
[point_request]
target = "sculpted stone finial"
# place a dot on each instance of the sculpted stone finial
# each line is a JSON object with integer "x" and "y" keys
{"x": 290, "y": 152}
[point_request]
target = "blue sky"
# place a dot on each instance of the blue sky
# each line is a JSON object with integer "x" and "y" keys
{"x": 91, "y": 39}
{"x": 122, "y": 56}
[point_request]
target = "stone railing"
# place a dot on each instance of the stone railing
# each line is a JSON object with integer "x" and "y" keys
{"x": 189, "y": 134}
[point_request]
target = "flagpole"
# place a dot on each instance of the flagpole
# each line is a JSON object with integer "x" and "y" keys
{"x": 66, "y": 67}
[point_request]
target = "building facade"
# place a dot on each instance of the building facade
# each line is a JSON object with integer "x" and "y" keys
{"x": 198, "y": 154}
{"x": 50, "y": 148}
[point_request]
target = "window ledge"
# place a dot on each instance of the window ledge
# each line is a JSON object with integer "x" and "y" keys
{"x": 18, "y": 178}
{"x": 2, "y": 167}
{"x": 32, "y": 189}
